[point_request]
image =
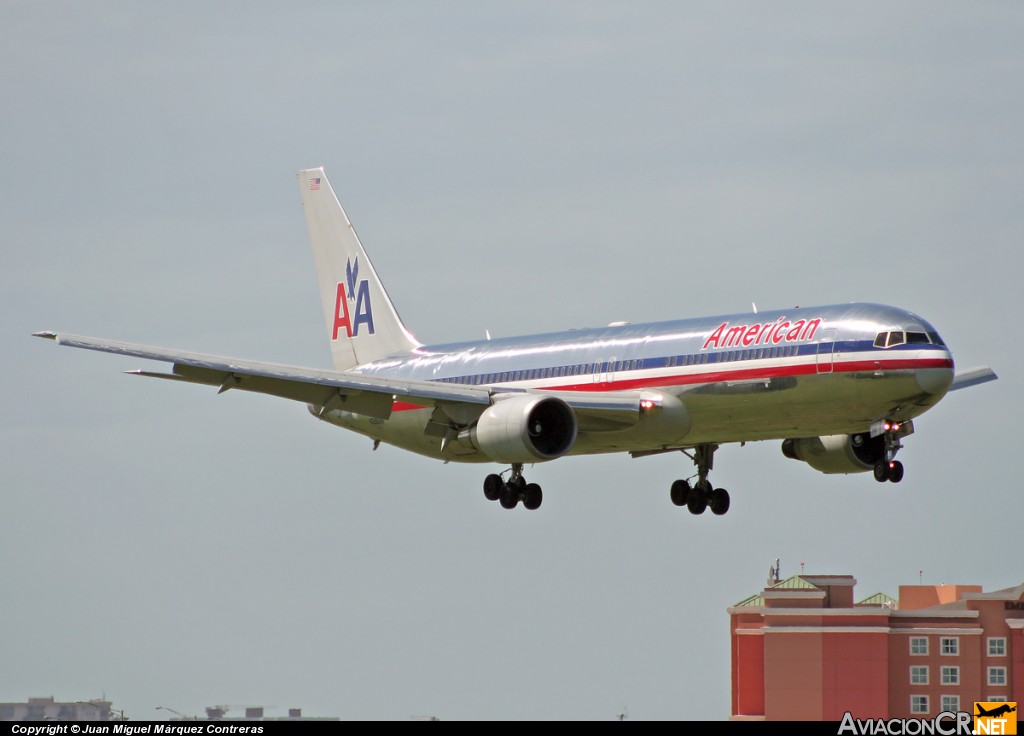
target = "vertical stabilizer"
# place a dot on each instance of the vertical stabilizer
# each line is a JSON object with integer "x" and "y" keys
{"x": 362, "y": 324}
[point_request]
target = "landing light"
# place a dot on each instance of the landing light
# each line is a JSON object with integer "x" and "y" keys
{"x": 647, "y": 404}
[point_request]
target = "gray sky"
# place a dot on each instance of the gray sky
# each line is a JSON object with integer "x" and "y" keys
{"x": 514, "y": 169}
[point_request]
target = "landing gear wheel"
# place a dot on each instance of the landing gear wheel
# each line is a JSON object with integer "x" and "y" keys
{"x": 493, "y": 487}
{"x": 895, "y": 471}
{"x": 697, "y": 499}
{"x": 679, "y": 492}
{"x": 509, "y": 496}
{"x": 719, "y": 501}
{"x": 532, "y": 496}
{"x": 882, "y": 472}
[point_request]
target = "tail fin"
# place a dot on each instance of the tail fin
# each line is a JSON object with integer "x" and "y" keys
{"x": 362, "y": 323}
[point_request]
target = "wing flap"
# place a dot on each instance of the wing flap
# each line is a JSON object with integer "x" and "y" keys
{"x": 361, "y": 394}
{"x": 370, "y": 395}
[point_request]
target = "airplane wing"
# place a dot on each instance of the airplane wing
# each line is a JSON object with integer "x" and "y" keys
{"x": 972, "y": 377}
{"x": 372, "y": 396}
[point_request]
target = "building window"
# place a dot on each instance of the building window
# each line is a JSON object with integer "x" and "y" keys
{"x": 918, "y": 703}
{"x": 997, "y": 646}
{"x": 996, "y": 675}
{"x": 996, "y": 699}
{"x": 918, "y": 646}
{"x": 950, "y": 645}
{"x": 951, "y": 703}
{"x": 950, "y": 675}
{"x": 918, "y": 675}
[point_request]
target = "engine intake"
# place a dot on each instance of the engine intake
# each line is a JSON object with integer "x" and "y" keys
{"x": 525, "y": 429}
{"x": 837, "y": 453}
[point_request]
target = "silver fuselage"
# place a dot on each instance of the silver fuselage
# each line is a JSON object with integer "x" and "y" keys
{"x": 794, "y": 373}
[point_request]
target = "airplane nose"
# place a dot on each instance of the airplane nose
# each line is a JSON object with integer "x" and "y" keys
{"x": 934, "y": 381}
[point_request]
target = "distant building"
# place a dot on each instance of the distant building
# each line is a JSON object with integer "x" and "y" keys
{"x": 48, "y": 709}
{"x": 803, "y": 650}
{"x": 252, "y": 713}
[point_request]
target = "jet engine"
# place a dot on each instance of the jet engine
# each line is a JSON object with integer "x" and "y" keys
{"x": 837, "y": 453}
{"x": 524, "y": 429}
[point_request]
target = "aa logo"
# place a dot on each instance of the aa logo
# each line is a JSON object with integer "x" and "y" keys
{"x": 995, "y": 718}
{"x": 357, "y": 292}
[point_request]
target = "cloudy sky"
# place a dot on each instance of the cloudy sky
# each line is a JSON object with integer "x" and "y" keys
{"x": 516, "y": 168}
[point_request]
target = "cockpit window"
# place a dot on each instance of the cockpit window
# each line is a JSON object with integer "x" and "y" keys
{"x": 899, "y": 337}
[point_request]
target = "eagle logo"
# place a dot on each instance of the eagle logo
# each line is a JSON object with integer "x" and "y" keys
{"x": 352, "y": 277}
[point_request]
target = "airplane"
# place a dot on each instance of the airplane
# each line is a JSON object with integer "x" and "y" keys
{"x": 995, "y": 712}
{"x": 838, "y": 385}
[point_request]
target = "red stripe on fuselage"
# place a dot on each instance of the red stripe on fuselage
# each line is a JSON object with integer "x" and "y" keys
{"x": 744, "y": 374}
{"x": 689, "y": 379}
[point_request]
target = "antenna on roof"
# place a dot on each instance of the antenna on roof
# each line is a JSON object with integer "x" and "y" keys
{"x": 754, "y": 305}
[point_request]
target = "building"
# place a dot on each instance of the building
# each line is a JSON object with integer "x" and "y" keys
{"x": 252, "y": 713}
{"x": 803, "y": 650}
{"x": 47, "y": 709}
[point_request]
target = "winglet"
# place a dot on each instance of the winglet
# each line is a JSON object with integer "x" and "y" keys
{"x": 46, "y": 333}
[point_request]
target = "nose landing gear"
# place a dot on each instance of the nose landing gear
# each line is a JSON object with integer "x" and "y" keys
{"x": 889, "y": 468}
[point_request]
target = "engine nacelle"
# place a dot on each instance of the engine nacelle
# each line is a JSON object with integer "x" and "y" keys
{"x": 837, "y": 453}
{"x": 525, "y": 429}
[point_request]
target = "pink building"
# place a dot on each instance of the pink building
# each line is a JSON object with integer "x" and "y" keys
{"x": 803, "y": 650}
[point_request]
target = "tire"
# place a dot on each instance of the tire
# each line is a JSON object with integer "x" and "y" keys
{"x": 697, "y": 500}
{"x": 896, "y": 472}
{"x": 679, "y": 492}
{"x": 532, "y": 496}
{"x": 882, "y": 472}
{"x": 719, "y": 501}
{"x": 509, "y": 497}
{"x": 493, "y": 487}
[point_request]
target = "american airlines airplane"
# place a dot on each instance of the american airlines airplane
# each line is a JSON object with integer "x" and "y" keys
{"x": 838, "y": 385}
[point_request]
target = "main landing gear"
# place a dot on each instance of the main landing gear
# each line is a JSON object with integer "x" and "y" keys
{"x": 888, "y": 468}
{"x": 698, "y": 497}
{"x": 509, "y": 493}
